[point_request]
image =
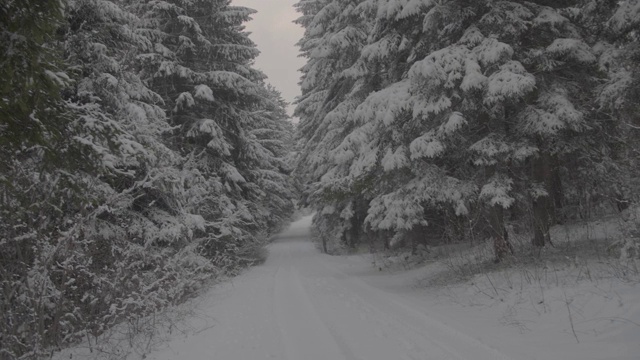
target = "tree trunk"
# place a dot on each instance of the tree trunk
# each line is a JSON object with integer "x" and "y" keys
{"x": 501, "y": 245}
{"x": 555, "y": 184}
{"x": 354, "y": 231}
{"x": 541, "y": 174}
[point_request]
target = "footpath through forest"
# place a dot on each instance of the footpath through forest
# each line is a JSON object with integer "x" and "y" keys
{"x": 304, "y": 305}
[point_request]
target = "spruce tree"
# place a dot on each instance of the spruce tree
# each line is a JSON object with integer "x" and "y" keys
{"x": 335, "y": 32}
{"x": 200, "y": 63}
{"x": 120, "y": 200}
{"x": 470, "y": 109}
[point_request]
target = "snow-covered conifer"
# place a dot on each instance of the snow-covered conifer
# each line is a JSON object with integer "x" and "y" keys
{"x": 199, "y": 61}
{"x": 458, "y": 97}
{"x": 155, "y": 161}
{"x": 335, "y": 32}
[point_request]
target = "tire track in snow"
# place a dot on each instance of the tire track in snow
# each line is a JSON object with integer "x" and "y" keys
{"x": 300, "y": 306}
{"x": 304, "y": 334}
{"x": 415, "y": 324}
{"x": 374, "y": 332}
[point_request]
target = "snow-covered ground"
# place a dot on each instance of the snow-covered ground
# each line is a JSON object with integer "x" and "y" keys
{"x": 303, "y": 305}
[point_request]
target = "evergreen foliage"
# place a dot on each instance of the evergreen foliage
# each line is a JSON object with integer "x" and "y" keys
{"x": 141, "y": 156}
{"x": 456, "y": 117}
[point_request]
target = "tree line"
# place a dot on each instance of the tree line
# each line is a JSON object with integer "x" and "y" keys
{"x": 429, "y": 120}
{"x": 141, "y": 154}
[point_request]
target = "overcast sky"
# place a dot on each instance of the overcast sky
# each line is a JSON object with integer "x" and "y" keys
{"x": 273, "y": 30}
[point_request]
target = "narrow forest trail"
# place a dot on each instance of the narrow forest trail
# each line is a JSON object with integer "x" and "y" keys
{"x": 300, "y": 305}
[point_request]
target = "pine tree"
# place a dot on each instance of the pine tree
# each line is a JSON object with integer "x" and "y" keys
{"x": 270, "y": 137}
{"x": 335, "y": 33}
{"x": 518, "y": 116}
{"x": 613, "y": 29}
{"x": 613, "y": 169}
{"x": 32, "y": 77}
{"x": 494, "y": 82}
{"x": 34, "y": 176}
{"x": 119, "y": 200}
{"x": 137, "y": 216}
{"x": 200, "y": 62}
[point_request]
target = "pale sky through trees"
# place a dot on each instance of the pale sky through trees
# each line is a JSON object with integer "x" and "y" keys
{"x": 275, "y": 34}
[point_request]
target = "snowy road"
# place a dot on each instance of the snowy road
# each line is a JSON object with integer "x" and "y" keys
{"x": 302, "y": 305}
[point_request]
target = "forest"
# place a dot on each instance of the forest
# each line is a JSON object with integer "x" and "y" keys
{"x": 436, "y": 121}
{"x": 144, "y": 156}
{"x": 141, "y": 155}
